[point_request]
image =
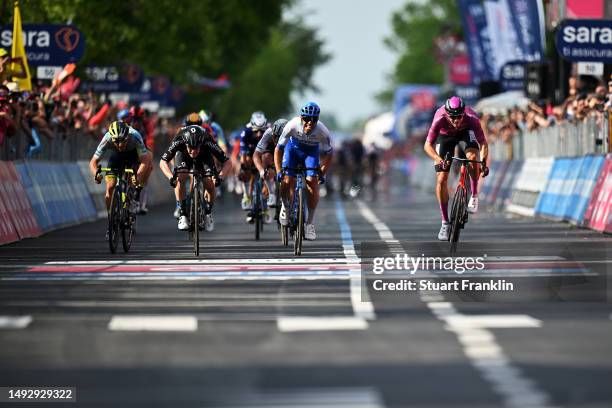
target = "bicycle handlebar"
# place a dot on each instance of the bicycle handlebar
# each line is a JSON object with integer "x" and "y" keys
{"x": 205, "y": 173}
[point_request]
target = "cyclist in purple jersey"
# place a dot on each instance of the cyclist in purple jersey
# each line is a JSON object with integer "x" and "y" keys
{"x": 452, "y": 124}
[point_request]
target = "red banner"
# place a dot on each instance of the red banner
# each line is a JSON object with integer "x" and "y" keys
{"x": 16, "y": 203}
{"x": 598, "y": 215}
{"x": 460, "y": 73}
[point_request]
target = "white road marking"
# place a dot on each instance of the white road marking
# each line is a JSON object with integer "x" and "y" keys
{"x": 479, "y": 344}
{"x": 15, "y": 322}
{"x": 354, "y": 397}
{"x": 153, "y": 323}
{"x": 318, "y": 323}
{"x": 491, "y": 321}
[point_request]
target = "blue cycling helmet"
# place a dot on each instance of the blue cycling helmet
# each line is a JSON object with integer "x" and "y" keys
{"x": 123, "y": 114}
{"x": 310, "y": 110}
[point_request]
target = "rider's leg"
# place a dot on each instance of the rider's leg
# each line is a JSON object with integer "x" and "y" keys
{"x": 111, "y": 182}
{"x": 442, "y": 194}
{"x": 474, "y": 170}
{"x": 180, "y": 192}
{"x": 209, "y": 194}
{"x": 312, "y": 185}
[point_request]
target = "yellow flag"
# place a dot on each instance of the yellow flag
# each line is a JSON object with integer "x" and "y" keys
{"x": 18, "y": 51}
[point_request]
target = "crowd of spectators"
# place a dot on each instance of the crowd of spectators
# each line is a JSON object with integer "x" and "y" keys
{"x": 56, "y": 109}
{"x": 586, "y": 101}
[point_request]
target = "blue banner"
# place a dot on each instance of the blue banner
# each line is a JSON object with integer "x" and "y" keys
{"x": 528, "y": 22}
{"x": 469, "y": 93}
{"x": 413, "y": 109}
{"x": 126, "y": 79}
{"x": 585, "y": 40}
{"x": 512, "y": 76}
{"x": 48, "y": 44}
{"x": 476, "y": 39}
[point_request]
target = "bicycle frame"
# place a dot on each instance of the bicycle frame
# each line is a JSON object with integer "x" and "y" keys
{"x": 119, "y": 217}
{"x": 299, "y": 207}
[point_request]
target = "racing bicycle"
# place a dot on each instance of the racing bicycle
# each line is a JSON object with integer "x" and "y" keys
{"x": 120, "y": 217}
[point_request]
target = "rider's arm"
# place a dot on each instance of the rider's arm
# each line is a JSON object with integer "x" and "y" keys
{"x": 325, "y": 161}
{"x": 167, "y": 157}
{"x": 432, "y": 135}
{"x": 278, "y": 158}
{"x": 431, "y": 151}
{"x": 93, "y": 163}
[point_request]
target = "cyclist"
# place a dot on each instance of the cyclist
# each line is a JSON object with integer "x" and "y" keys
{"x": 454, "y": 123}
{"x": 193, "y": 148}
{"x": 249, "y": 138}
{"x": 264, "y": 159}
{"x": 127, "y": 151}
{"x": 303, "y": 139}
{"x": 208, "y": 118}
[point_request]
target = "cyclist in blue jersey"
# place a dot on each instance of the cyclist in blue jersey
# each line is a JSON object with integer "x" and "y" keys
{"x": 305, "y": 141}
{"x": 249, "y": 138}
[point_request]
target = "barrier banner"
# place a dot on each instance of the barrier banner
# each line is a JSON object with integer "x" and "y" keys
{"x": 96, "y": 191}
{"x": 8, "y": 233}
{"x": 18, "y": 204}
{"x": 83, "y": 199}
{"x": 505, "y": 189}
{"x": 35, "y": 196}
{"x": 583, "y": 189}
{"x": 488, "y": 184}
{"x": 552, "y": 198}
{"x": 598, "y": 215}
{"x": 531, "y": 180}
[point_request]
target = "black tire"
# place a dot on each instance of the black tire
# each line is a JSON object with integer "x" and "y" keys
{"x": 114, "y": 219}
{"x": 284, "y": 235}
{"x": 195, "y": 221}
{"x": 457, "y": 215}
{"x": 127, "y": 224}
{"x": 256, "y": 210}
{"x": 299, "y": 228}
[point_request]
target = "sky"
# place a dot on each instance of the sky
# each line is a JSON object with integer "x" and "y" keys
{"x": 353, "y": 32}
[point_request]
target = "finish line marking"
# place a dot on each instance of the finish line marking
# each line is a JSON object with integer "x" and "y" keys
{"x": 15, "y": 322}
{"x": 153, "y": 323}
{"x": 316, "y": 323}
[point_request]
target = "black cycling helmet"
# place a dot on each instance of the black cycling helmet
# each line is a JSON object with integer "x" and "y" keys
{"x": 278, "y": 126}
{"x": 193, "y": 136}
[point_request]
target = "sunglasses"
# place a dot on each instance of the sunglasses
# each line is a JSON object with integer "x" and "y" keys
{"x": 455, "y": 117}
{"x": 120, "y": 142}
{"x": 309, "y": 119}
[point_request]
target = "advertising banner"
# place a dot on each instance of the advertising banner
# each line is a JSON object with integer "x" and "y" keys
{"x": 48, "y": 44}
{"x": 477, "y": 39}
{"x": 585, "y": 40}
{"x": 528, "y": 21}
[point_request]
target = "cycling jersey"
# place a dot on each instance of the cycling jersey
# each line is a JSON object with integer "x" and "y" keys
{"x": 248, "y": 141}
{"x": 134, "y": 142}
{"x": 441, "y": 126}
{"x": 267, "y": 143}
{"x": 208, "y": 149}
{"x": 294, "y": 130}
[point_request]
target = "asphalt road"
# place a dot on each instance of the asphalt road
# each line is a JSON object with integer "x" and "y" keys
{"x": 248, "y": 325}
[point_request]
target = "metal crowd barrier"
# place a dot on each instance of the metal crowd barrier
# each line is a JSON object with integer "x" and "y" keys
{"x": 70, "y": 145}
{"x": 565, "y": 140}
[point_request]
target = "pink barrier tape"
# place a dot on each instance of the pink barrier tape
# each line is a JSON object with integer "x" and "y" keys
{"x": 8, "y": 229}
{"x": 23, "y": 215}
{"x": 598, "y": 215}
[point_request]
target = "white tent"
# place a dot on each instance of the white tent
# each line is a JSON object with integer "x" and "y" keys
{"x": 376, "y": 131}
{"x": 500, "y": 103}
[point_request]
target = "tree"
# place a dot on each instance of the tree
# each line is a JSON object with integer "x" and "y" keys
{"x": 414, "y": 29}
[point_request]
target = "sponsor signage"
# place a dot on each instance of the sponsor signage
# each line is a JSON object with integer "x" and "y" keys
{"x": 128, "y": 78}
{"x": 585, "y": 40}
{"x": 512, "y": 76}
{"x": 469, "y": 93}
{"x": 591, "y": 68}
{"x": 48, "y": 44}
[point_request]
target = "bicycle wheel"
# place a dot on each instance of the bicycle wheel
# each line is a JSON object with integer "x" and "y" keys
{"x": 457, "y": 210}
{"x": 195, "y": 220}
{"x": 299, "y": 227}
{"x": 114, "y": 219}
{"x": 127, "y": 222}
{"x": 257, "y": 208}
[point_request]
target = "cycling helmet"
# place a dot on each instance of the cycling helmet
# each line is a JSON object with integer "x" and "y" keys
{"x": 278, "y": 126}
{"x": 310, "y": 110}
{"x": 193, "y": 119}
{"x": 204, "y": 115}
{"x": 123, "y": 114}
{"x": 118, "y": 131}
{"x": 454, "y": 106}
{"x": 193, "y": 136}
{"x": 258, "y": 120}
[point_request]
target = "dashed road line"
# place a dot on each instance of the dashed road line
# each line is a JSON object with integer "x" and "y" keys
{"x": 15, "y": 322}
{"x": 320, "y": 323}
{"x": 153, "y": 323}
